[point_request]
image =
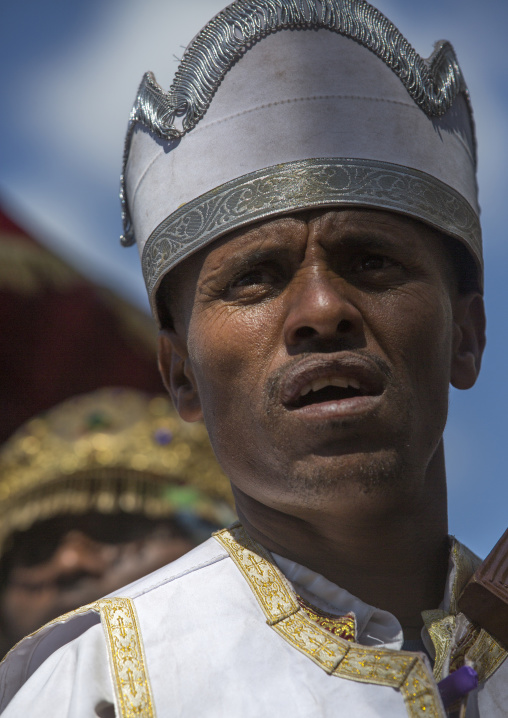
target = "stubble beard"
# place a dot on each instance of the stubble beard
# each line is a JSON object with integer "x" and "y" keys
{"x": 383, "y": 474}
{"x": 380, "y": 473}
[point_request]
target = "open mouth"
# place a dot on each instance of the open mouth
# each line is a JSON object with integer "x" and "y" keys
{"x": 327, "y": 393}
{"x": 327, "y": 389}
{"x": 346, "y": 382}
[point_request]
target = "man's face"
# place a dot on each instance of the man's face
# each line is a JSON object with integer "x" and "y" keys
{"x": 320, "y": 348}
{"x": 64, "y": 563}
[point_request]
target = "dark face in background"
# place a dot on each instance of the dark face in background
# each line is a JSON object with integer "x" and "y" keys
{"x": 320, "y": 348}
{"x": 66, "y": 562}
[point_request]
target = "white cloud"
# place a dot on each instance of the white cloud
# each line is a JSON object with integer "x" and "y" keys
{"x": 94, "y": 87}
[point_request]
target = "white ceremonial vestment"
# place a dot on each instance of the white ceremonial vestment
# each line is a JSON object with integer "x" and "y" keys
{"x": 222, "y": 632}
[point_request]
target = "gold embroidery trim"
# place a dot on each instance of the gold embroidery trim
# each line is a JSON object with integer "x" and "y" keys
{"x": 403, "y": 670}
{"x": 441, "y": 629}
{"x": 343, "y": 626}
{"x": 273, "y": 592}
{"x": 127, "y": 659}
{"x": 126, "y": 655}
{"x": 476, "y": 647}
{"x": 485, "y": 655}
{"x": 466, "y": 562}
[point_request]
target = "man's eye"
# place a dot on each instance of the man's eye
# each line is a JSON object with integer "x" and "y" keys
{"x": 256, "y": 283}
{"x": 252, "y": 277}
{"x": 374, "y": 262}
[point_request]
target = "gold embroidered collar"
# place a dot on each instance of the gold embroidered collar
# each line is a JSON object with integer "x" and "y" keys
{"x": 324, "y": 638}
{"x": 403, "y": 670}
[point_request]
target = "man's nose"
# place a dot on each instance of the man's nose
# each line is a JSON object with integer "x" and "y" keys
{"x": 321, "y": 308}
{"x": 78, "y": 552}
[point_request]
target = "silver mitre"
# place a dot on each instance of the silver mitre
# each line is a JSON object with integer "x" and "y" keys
{"x": 284, "y": 105}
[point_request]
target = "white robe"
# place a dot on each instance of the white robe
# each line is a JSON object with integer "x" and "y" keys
{"x": 219, "y": 633}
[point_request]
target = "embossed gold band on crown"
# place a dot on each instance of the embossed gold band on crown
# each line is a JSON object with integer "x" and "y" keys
{"x": 304, "y": 184}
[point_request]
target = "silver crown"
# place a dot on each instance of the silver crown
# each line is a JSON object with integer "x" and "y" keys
{"x": 432, "y": 83}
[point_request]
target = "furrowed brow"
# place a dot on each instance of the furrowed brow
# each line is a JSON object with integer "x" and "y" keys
{"x": 373, "y": 241}
{"x": 244, "y": 258}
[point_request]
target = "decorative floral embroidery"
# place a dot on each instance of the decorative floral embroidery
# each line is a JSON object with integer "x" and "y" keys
{"x": 125, "y": 648}
{"x": 402, "y": 670}
{"x": 299, "y": 185}
{"x": 342, "y": 626}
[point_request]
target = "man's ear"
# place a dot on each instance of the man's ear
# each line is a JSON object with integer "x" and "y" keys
{"x": 468, "y": 340}
{"x": 178, "y": 376}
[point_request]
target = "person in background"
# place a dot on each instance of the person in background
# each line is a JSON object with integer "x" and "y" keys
{"x": 99, "y": 491}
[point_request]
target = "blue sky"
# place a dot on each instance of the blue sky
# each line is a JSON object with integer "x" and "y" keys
{"x": 69, "y": 73}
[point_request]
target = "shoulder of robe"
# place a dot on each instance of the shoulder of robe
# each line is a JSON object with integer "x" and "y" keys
{"x": 24, "y": 659}
{"x": 199, "y": 558}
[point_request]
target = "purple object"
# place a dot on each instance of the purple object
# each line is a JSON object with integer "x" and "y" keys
{"x": 163, "y": 437}
{"x": 457, "y": 685}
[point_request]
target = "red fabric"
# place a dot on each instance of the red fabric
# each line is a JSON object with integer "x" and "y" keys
{"x": 55, "y": 344}
{"x": 7, "y": 226}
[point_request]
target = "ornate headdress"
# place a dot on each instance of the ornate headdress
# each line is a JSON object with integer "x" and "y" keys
{"x": 282, "y": 105}
{"x": 108, "y": 451}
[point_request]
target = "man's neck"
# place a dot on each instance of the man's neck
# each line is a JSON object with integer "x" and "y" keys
{"x": 396, "y": 561}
